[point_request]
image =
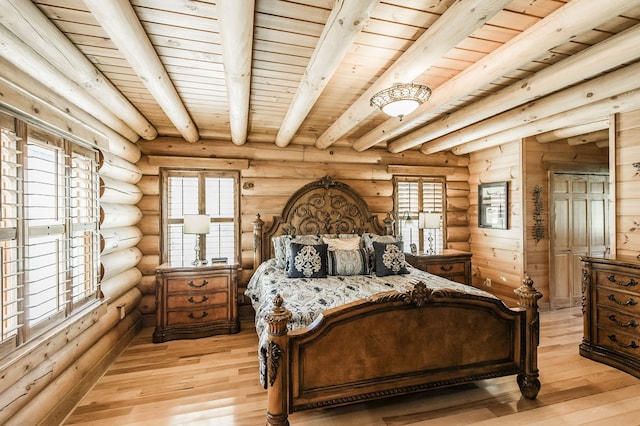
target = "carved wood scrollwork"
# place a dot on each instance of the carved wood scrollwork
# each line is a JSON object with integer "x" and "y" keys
{"x": 274, "y": 353}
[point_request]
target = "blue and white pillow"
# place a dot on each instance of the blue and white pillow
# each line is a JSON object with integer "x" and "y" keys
{"x": 307, "y": 261}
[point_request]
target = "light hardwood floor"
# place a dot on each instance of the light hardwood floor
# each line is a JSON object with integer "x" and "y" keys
{"x": 214, "y": 381}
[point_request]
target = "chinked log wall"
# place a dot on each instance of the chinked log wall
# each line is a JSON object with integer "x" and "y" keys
{"x": 43, "y": 380}
{"x": 272, "y": 175}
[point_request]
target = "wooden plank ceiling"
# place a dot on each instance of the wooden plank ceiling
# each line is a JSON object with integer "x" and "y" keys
{"x": 302, "y": 72}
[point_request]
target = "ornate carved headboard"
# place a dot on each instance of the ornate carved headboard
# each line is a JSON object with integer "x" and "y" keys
{"x": 321, "y": 207}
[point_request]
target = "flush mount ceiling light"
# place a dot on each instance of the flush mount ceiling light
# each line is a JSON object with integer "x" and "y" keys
{"x": 401, "y": 99}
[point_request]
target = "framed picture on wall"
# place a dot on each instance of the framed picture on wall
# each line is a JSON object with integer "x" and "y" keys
{"x": 492, "y": 205}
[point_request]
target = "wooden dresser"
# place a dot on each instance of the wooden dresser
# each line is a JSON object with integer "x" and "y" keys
{"x": 611, "y": 307}
{"x": 195, "y": 301}
{"x": 452, "y": 264}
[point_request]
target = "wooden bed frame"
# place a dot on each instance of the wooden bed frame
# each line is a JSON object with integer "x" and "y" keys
{"x": 391, "y": 343}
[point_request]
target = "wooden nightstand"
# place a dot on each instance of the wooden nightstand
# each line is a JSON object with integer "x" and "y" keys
{"x": 452, "y": 264}
{"x": 195, "y": 301}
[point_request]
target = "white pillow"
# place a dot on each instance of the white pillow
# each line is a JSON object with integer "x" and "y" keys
{"x": 352, "y": 243}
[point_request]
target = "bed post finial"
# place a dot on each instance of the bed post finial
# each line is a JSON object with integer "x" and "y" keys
{"x": 277, "y": 364}
{"x": 257, "y": 241}
{"x": 528, "y": 299}
{"x": 388, "y": 224}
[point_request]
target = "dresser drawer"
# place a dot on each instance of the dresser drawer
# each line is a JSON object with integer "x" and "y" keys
{"x": 619, "y": 300}
{"x": 199, "y": 284}
{"x": 617, "y": 281}
{"x": 197, "y": 316}
{"x": 619, "y": 322}
{"x": 619, "y": 342}
{"x": 197, "y": 301}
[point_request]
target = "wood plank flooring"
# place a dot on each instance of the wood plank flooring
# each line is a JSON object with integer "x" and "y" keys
{"x": 214, "y": 381}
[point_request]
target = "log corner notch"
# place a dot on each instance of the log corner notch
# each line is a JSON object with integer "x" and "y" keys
{"x": 528, "y": 298}
{"x": 277, "y": 365}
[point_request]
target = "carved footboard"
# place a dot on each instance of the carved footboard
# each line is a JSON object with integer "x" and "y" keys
{"x": 396, "y": 343}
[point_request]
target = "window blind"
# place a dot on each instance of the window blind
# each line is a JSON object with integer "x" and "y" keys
{"x": 201, "y": 192}
{"x": 415, "y": 195}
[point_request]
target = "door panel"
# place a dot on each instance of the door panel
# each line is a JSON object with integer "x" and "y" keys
{"x": 578, "y": 228}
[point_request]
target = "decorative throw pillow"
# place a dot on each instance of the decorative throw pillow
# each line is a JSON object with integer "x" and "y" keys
{"x": 352, "y": 243}
{"x": 389, "y": 259}
{"x": 367, "y": 240}
{"x": 348, "y": 262}
{"x": 307, "y": 261}
{"x": 280, "y": 244}
{"x": 300, "y": 239}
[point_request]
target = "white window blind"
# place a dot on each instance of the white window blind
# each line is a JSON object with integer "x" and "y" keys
{"x": 48, "y": 232}
{"x": 415, "y": 195}
{"x": 201, "y": 192}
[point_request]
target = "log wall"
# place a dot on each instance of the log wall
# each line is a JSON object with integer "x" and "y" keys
{"x": 506, "y": 256}
{"x": 271, "y": 175}
{"x": 44, "y": 379}
{"x": 627, "y": 183}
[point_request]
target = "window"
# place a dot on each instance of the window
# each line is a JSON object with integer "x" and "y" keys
{"x": 416, "y": 196}
{"x": 49, "y": 218}
{"x": 211, "y": 193}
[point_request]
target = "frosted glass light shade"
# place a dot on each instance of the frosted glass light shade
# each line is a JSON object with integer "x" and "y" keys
{"x": 428, "y": 220}
{"x": 400, "y": 99}
{"x": 196, "y": 224}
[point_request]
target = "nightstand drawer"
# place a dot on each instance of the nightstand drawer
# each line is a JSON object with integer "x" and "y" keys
{"x": 451, "y": 264}
{"x": 197, "y": 301}
{"x": 204, "y": 284}
{"x": 446, "y": 269}
{"x": 197, "y": 316}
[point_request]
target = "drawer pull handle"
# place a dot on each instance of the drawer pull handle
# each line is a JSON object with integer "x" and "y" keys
{"x": 204, "y": 299}
{"x": 446, "y": 268}
{"x": 632, "y": 345}
{"x": 629, "y": 302}
{"x": 192, "y": 316}
{"x": 631, "y": 323}
{"x": 192, "y": 284}
{"x": 631, "y": 283}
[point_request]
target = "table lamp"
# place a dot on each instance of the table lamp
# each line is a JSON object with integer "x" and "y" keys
{"x": 429, "y": 221}
{"x": 196, "y": 224}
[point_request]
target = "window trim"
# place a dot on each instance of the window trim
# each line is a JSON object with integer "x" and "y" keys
{"x": 165, "y": 173}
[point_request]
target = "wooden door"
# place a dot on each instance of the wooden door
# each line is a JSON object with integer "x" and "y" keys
{"x": 578, "y": 228}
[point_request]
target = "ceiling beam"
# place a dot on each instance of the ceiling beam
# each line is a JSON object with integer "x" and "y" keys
{"x": 116, "y": 143}
{"x": 589, "y": 137}
{"x": 628, "y": 101}
{"x": 459, "y": 21}
{"x": 567, "y": 132}
{"x": 340, "y": 31}
{"x": 121, "y": 23}
{"x": 589, "y": 92}
{"x": 24, "y": 58}
{"x": 33, "y": 28}
{"x": 557, "y": 28}
{"x": 235, "y": 18}
{"x": 621, "y": 48}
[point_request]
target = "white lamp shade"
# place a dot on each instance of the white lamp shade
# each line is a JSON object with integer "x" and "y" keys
{"x": 428, "y": 220}
{"x": 196, "y": 224}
